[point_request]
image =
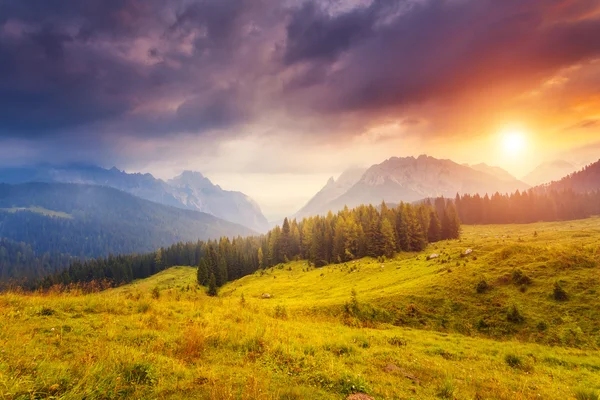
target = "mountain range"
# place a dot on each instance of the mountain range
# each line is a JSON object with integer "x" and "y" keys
{"x": 190, "y": 190}
{"x": 549, "y": 171}
{"x": 409, "y": 179}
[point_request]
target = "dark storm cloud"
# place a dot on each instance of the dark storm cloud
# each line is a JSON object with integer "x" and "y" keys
{"x": 438, "y": 49}
{"x": 150, "y": 68}
{"x": 69, "y": 64}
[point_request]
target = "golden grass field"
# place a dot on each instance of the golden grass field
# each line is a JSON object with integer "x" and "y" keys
{"x": 406, "y": 328}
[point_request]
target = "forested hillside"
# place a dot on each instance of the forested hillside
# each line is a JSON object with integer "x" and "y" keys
{"x": 18, "y": 261}
{"x": 585, "y": 180}
{"x": 534, "y": 205}
{"x": 351, "y": 234}
{"x": 92, "y": 221}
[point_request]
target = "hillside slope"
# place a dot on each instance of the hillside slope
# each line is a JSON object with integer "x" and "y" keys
{"x": 412, "y": 330}
{"x": 92, "y": 221}
{"x": 584, "y": 180}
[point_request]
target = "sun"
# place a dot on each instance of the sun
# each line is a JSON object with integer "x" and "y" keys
{"x": 514, "y": 142}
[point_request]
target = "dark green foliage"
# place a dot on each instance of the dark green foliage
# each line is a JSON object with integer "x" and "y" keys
{"x": 202, "y": 273}
{"x": 520, "y": 278}
{"x": 212, "y": 285}
{"x": 514, "y": 315}
{"x": 346, "y": 236}
{"x": 513, "y": 361}
{"x": 482, "y": 287}
{"x": 349, "y": 384}
{"x": 46, "y": 312}
{"x": 139, "y": 374}
{"x": 397, "y": 341}
{"x": 559, "y": 294}
{"x": 556, "y": 202}
{"x": 586, "y": 394}
{"x": 434, "y": 232}
{"x": 87, "y": 222}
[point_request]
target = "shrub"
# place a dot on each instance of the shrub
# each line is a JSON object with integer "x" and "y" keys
{"x": 46, "y": 312}
{"x": 349, "y": 384}
{"x": 559, "y": 293}
{"x": 513, "y": 361}
{"x": 156, "y": 293}
{"x": 143, "y": 307}
{"x": 281, "y": 312}
{"x": 482, "y": 287}
{"x": 542, "y": 326}
{"x": 586, "y": 394}
{"x": 139, "y": 374}
{"x": 446, "y": 390}
{"x": 482, "y": 325}
{"x": 520, "y": 278}
{"x": 397, "y": 341}
{"x": 514, "y": 315}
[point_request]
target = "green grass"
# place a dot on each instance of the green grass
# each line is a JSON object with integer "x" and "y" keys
{"x": 39, "y": 210}
{"x": 408, "y": 328}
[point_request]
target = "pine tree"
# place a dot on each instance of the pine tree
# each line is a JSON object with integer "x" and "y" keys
{"x": 450, "y": 223}
{"x": 260, "y": 258}
{"x": 388, "y": 242}
{"x": 285, "y": 241}
{"x": 435, "y": 228}
{"x": 402, "y": 238}
{"x": 212, "y": 285}
{"x": 202, "y": 273}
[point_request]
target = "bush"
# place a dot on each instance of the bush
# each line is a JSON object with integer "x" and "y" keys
{"x": 46, "y": 312}
{"x": 397, "y": 341}
{"x": 559, "y": 293}
{"x": 143, "y": 307}
{"x": 586, "y": 394}
{"x": 514, "y": 315}
{"x": 542, "y": 326}
{"x": 349, "y": 384}
{"x": 281, "y": 312}
{"x": 446, "y": 390}
{"x": 520, "y": 278}
{"x": 139, "y": 374}
{"x": 482, "y": 325}
{"x": 513, "y": 361}
{"x": 482, "y": 287}
{"x": 156, "y": 293}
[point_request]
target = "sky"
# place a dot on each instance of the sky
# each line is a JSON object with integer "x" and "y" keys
{"x": 272, "y": 97}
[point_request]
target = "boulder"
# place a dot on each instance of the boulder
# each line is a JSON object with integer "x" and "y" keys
{"x": 266, "y": 296}
{"x": 468, "y": 251}
{"x": 432, "y": 256}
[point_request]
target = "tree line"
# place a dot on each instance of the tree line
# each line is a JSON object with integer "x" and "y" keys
{"x": 347, "y": 235}
{"x": 534, "y": 205}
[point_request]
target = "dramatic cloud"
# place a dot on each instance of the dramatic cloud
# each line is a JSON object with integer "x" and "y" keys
{"x": 140, "y": 81}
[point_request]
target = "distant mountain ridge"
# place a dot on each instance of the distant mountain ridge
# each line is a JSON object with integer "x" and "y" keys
{"x": 585, "y": 180}
{"x": 331, "y": 191}
{"x": 190, "y": 190}
{"x": 549, "y": 171}
{"x": 411, "y": 179}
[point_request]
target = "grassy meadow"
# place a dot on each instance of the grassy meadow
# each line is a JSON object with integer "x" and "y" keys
{"x": 517, "y": 318}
